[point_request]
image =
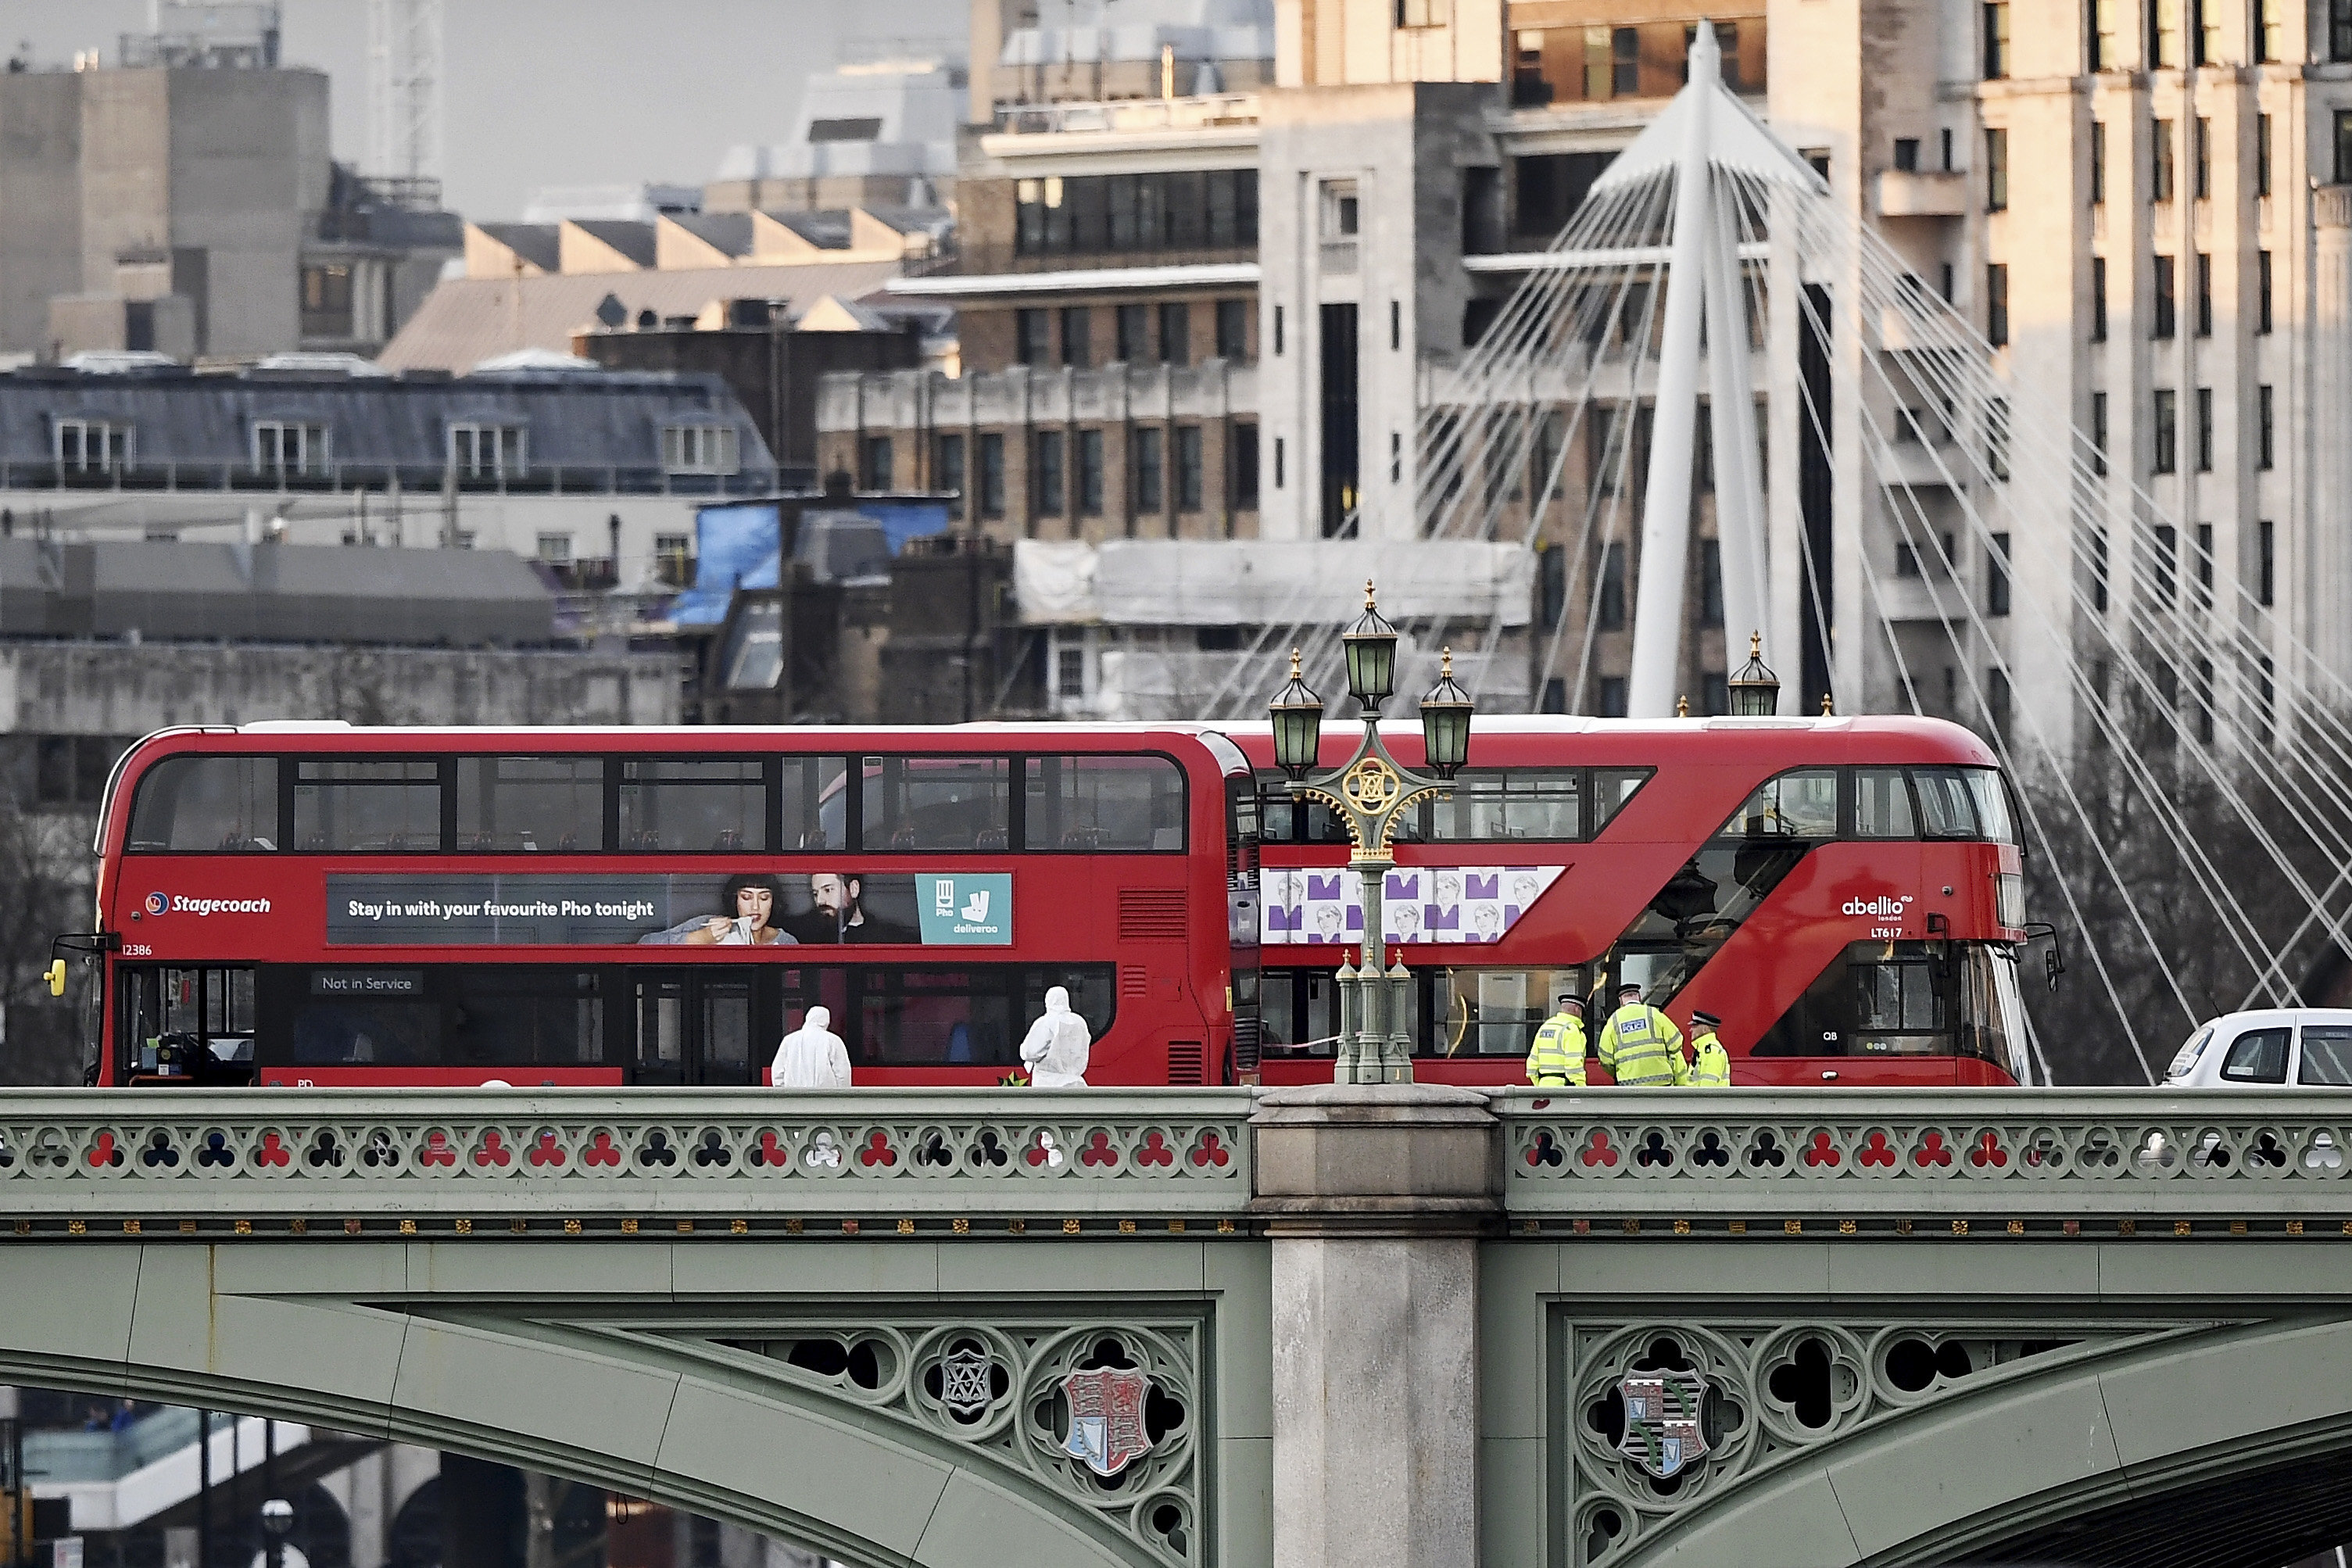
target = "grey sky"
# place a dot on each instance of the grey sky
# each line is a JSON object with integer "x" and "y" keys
{"x": 558, "y": 92}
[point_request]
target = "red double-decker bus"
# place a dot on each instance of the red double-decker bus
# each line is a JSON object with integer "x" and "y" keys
{"x": 318, "y": 904}
{"x": 1846, "y": 894}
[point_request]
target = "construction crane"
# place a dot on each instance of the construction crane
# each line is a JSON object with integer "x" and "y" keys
{"x": 404, "y": 98}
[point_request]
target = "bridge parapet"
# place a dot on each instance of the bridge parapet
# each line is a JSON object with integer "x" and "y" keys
{"x": 744, "y": 1158}
{"x": 1877, "y": 1159}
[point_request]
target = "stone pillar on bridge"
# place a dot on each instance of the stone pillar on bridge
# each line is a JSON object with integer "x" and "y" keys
{"x": 2322, "y": 578}
{"x": 1375, "y": 1197}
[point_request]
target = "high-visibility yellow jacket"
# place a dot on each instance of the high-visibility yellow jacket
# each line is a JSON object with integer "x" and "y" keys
{"x": 1710, "y": 1064}
{"x": 1640, "y": 1048}
{"x": 1556, "y": 1061}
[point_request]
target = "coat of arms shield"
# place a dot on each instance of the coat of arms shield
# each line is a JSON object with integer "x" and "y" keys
{"x": 1107, "y": 1418}
{"x": 1661, "y": 1424}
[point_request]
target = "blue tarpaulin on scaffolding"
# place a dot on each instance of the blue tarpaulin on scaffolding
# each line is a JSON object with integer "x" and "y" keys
{"x": 740, "y": 546}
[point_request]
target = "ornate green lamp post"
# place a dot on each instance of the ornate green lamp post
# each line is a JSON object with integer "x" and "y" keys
{"x": 1755, "y": 691}
{"x": 1367, "y": 792}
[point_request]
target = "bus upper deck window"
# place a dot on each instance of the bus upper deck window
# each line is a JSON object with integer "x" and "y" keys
{"x": 1882, "y": 804}
{"x": 936, "y": 803}
{"x": 1946, "y": 804}
{"x": 207, "y": 803}
{"x": 391, "y": 805}
{"x": 817, "y": 803}
{"x": 1800, "y": 803}
{"x": 1613, "y": 788}
{"x": 1104, "y": 803}
{"x": 695, "y": 804}
{"x": 550, "y": 804}
{"x": 1992, "y": 800}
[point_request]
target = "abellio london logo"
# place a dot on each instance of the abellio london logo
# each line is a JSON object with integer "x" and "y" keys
{"x": 1882, "y": 906}
{"x": 180, "y": 904}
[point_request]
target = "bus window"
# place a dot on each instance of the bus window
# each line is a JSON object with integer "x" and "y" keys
{"x": 1946, "y": 805}
{"x": 1544, "y": 803}
{"x": 1611, "y": 788}
{"x": 206, "y": 1013}
{"x": 1992, "y": 800}
{"x": 1492, "y": 1011}
{"x": 1882, "y": 804}
{"x": 524, "y": 1016}
{"x": 1089, "y": 985}
{"x": 694, "y": 805}
{"x": 936, "y": 803}
{"x": 1123, "y": 803}
{"x": 931, "y": 1017}
{"x": 1800, "y": 803}
{"x": 1290, "y": 819}
{"x": 207, "y": 802}
{"x": 388, "y": 805}
{"x": 1298, "y": 1012}
{"x": 817, "y": 803}
{"x": 554, "y": 805}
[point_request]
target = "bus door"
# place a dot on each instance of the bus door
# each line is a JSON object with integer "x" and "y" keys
{"x": 701, "y": 1027}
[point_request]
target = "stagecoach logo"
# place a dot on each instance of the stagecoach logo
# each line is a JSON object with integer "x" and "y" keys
{"x": 1662, "y": 1425}
{"x": 180, "y": 904}
{"x": 1107, "y": 1418}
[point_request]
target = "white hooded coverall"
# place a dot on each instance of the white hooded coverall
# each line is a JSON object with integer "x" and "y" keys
{"x": 1058, "y": 1045}
{"x": 811, "y": 1056}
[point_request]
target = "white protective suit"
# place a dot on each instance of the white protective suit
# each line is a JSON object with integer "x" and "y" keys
{"x": 812, "y": 1056}
{"x": 1058, "y": 1045}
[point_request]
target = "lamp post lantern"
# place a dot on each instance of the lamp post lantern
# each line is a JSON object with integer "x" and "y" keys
{"x": 1755, "y": 691}
{"x": 1368, "y": 792}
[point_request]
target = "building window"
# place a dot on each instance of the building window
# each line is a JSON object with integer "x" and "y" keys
{"x": 2204, "y": 564}
{"x": 2098, "y": 299}
{"x": 2106, "y": 34}
{"x": 674, "y": 558}
{"x": 1091, "y": 473}
{"x": 1997, "y": 576}
{"x": 1612, "y": 697}
{"x": 1050, "y": 485}
{"x": 1997, "y": 437}
{"x": 284, "y": 448}
{"x": 1243, "y": 452}
{"x": 2200, "y": 160}
{"x": 1340, "y": 209}
{"x": 2204, "y": 430}
{"x": 1188, "y": 467}
{"x": 1150, "y": 492}
{"x": 2098, "y": 162}
{"x": 1997, "y": 168}
{"x": 876, "y": 468}
{"x": 2344, "y": 138}
{"x": 1076, "y": 351}
{"x": 1032, "y": 337}
{"x": 2163, "y": 297}
{"x": 2164, "y": 29}
{"x": 71, "y": 769}
{"x": 1175, "y": 332}
{"x": 1996, "y": 691}
{"x": 2266, "y": 428}
{"x": 1906, "y": 154}
{"x": 1996, "y": 40}
{"x": 486, "y": 451}
{"x": 1613, "y": 588}
{"x": 1232, "y": 330}
{"x": 91, "y": 446}
{"x": 555, "y": 549}
{"x": 2099, "y": 433}
{"x": 2160, "y": 161}
{"x": 2167, "y": 562}
{"x": 1624, "y": 62}
{"x": 2270, "y": 31}
{"x": 698, "y": 448}
{"x": 1278, "y": 330}
{"x": 991, "y": 474}
{"x": 1134, "y": 333}
{"x": 1070, "y": 673}
{"x": 1425, "y": 12}
{"x": 1997, "y": 304}
{"x": 1091, "y": 213}
{"x": 2208, "y": 35}
{"x": 2265, "y": 541}
{"x": 1278, "y": 462}
{"x": 326, "y": 300}
{"x": 2098, "y": 577}
{"x": 2167, "y": 432}
{"x": 2263, "y": 292}
{"x": 946, "y": 472}
{"x": 2204, "y": 295}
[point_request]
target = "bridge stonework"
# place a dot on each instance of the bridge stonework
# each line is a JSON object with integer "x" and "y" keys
{"x": 1376, "y": 1326}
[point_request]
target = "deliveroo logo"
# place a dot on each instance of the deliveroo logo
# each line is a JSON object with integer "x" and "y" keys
{"x": 967, "y": 909}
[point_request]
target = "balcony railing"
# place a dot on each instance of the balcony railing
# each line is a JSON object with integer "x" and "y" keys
{"x": 412, "y": 479}
{"x": 988, "y": 260}
{"x": 1128, "y": 115}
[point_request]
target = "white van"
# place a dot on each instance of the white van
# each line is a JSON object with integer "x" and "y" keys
{"x": 2309, "y": 1047}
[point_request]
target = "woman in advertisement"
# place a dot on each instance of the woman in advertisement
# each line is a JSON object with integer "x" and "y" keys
{"x": 752, "y": 903}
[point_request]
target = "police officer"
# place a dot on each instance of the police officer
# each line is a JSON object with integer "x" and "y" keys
{"x": 1556, "y": 1061}
{"x": 1639, "y": 1046}
{"x": 1710, "y": 1064}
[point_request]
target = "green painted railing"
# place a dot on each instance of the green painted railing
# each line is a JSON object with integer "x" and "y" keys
{"x": 2038, "y": 1154}
{"x": 756, "y": 1157}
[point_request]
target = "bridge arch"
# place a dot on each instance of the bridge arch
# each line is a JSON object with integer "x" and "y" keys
{"x": 485, "y": 1367}
{"x": 2091, "y": 1461}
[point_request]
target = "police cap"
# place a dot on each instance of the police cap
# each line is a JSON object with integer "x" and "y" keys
{"x": 1570, "y": 999}
{"x": 1631, "y": 988}
{"x": 1705, "y": 1020}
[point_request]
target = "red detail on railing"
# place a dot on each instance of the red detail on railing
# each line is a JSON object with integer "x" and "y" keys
{"x": 437, "y": 1150}
{"x": 273, "y": 1151}
{"x": 771, "y": 1150}
{"x": 1988, "y": 1151}
{"x": 1876, "y": 1151}
{"x": 1822, "y": 1151}
{"x": 102, "y": 1152}
{"x": 601, "y": 1151}
{"x": 877, "y": 1151}
{"x": 494, "y": 1150}
{"x": 1932, "y": 1150}
{"x": 1597, "y": 1152}
{"x": 1155, "y": 1150}
{"x": 1098, "y": 1151}
{"x": 1211, "y": 1151}
{"x": 545, "y": 1150}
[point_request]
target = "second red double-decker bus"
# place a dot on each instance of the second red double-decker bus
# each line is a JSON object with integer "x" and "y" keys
{"x": 318, "y": 904}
